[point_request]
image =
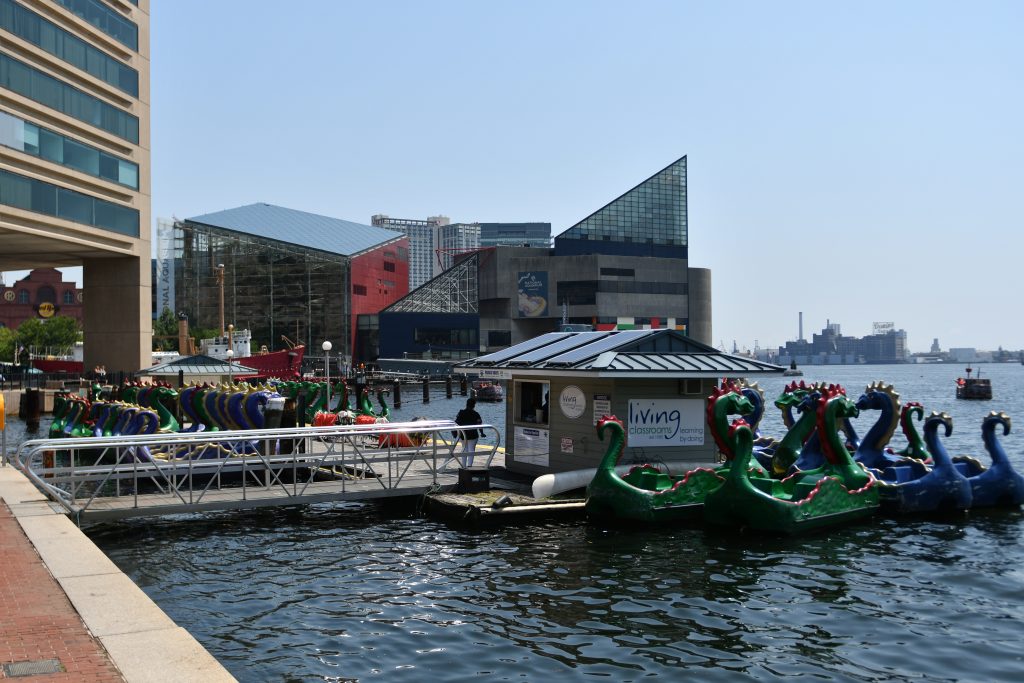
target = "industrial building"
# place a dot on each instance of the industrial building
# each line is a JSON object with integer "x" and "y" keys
{"x": 74, "y": 160}
{"x": 624, "y": 266}
{"x": 830, "y": 347}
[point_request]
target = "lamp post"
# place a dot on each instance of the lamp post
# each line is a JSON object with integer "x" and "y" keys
{"x": 231, "y": 367}
{"x": 326, "y": 346}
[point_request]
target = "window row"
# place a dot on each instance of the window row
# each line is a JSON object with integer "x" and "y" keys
{"x": 47, "y": 144}
{"x": 34, "y": 29}
{"x": 51, "y": 200}
{"x": 443, "y": 336}
{"x": 45, "y": 295}
{"x": 47, "y": 90}
{"x": 105, "y": 19}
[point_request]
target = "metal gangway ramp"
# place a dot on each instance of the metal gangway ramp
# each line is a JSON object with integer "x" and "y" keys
{"x": 105, "y": 478}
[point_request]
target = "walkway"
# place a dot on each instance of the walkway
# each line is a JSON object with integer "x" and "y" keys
{"x": 66, "y": 608}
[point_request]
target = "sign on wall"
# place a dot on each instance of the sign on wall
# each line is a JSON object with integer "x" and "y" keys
{"x": 531, "y": 446}
{"x": 572, "y": 401}
{"x": 602, "y": 406}
{"x": 655, "y": 422}
{"x": 533, "y": 294}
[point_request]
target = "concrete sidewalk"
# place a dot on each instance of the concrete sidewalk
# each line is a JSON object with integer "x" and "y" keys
{"x": 67, "y": 613}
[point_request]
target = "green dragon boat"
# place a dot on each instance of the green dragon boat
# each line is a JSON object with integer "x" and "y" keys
{"x": 647, "y": 494}
{"x": 838, "y": 492}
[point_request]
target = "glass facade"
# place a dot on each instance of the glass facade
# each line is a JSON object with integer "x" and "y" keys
{"x": 275, "y": 289}
{"x": 51, "y": 200}
{"x": 46, "y": 144}
{"x": 34, "y": 29}
{"x": 648, "y": 220}
{"x": 32, "y": 83}
{"x": 105, "y": 19}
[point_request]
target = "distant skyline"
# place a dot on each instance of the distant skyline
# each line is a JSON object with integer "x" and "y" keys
{"x": 857, "y": 162}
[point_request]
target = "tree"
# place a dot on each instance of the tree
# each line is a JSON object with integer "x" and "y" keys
{"x": 57, "y": 334}
{"x": 165, "y": 331}
{"x": 8, "y": 345}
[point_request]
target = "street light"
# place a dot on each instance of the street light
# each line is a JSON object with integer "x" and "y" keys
{"x": 231, "y": 367}
{"x": 326, "y": 346}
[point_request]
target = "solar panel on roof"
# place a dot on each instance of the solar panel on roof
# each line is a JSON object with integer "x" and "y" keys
{"x": 598, "y": 346}
{"x": 557, "y": 348}
{"x": 513, "y": 351}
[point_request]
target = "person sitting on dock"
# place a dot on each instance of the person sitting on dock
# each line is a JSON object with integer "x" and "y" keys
{"x": 468, "y": 416}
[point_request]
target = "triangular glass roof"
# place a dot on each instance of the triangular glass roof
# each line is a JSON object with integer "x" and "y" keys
{"x": 453, "y": 291}
{"x": 653, "y": 212}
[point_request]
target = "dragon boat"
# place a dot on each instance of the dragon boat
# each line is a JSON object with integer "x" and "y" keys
{"x": 644, "y": 493}
{"x": 910, "y": 486}
{"x": 647, "y": 494}
{"x": 996, "y": 485}
{"x": 838, "y": 492}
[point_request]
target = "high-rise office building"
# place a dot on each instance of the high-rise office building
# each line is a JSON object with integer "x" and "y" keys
{"x": 74, "y": 160}
{"x": 423, "y": 243}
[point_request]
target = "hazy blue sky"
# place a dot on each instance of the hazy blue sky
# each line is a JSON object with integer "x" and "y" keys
{"x": 858, "y": 162}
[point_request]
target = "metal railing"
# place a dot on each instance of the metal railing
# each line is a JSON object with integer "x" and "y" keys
{"x": 167, "y": 473}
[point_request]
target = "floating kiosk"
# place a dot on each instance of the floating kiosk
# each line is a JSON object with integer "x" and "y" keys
{"x": 560, "y": 384}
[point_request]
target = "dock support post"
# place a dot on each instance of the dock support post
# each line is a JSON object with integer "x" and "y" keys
{"x": 448, "y": 386}
{"x": 396, "y": 391}
{"x": 463, "y": 385}
{"x": 426, "y": 390}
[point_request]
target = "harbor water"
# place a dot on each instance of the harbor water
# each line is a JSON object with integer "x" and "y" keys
{"x": 360, "y": 592}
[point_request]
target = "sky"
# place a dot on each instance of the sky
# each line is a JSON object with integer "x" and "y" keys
{"x": 858, "y": 162}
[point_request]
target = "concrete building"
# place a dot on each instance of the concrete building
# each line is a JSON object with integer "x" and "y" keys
{"x": 286, "y": 273}
{"x": 74, "y": 160}
{"x": 623, "y": 267}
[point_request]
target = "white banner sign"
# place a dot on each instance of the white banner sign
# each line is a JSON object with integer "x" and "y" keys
{"x": 164, "y": 266}
{"x": 492, "y": 373}
{"x": 657, "y": 422}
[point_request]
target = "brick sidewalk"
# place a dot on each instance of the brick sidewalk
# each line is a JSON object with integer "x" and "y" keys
{"x": 37, "y": 622}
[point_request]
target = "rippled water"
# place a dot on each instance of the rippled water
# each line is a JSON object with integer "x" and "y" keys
{"x": 362, "y": 592}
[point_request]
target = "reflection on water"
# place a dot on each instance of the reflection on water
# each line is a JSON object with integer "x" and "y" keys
{"x": 348, "y": 592}
{"x": 357, "y": 592}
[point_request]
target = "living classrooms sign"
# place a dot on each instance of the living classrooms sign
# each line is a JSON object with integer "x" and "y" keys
{"x": 655, "y": 422}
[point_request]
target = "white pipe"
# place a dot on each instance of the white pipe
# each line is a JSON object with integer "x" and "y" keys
{"x": 559, "y": 482}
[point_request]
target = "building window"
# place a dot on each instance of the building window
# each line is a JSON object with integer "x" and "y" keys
{"x": 69, "y": 297}
{"x": 531, "y": 402}
{"x": 32, "y": 83}
{"x": 499, "y": 338}
{"x": 389, "y": 266}
{"x": 23, "y": 296}
{"x": 359, "y": 290}
{"x": 619, "y": 272}
{"x": 46, "y": 144}
{"x": 35, "y": 195}
{"x": 34, "y": 29}
{"x": 106, "y": 20}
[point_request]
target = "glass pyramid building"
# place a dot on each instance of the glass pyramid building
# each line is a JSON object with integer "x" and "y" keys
{"x": 648, "y": 220}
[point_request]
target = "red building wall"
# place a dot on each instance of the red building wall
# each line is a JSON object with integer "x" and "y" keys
{"x": 25, "y": 298}
{"x": 380, "y": 277}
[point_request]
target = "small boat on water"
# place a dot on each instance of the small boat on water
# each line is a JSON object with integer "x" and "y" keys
{"x": 974, "y": 388}
{"x": 793, "y": 370}
{"x": 488, "y": 391}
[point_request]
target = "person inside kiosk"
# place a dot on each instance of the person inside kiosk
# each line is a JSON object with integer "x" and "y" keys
{"x": 532, "y": 403}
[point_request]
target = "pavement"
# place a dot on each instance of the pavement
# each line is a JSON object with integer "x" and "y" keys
{"x": 67, "y": 613}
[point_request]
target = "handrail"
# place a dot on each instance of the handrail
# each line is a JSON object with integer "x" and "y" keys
{"x": 186, "y": 466}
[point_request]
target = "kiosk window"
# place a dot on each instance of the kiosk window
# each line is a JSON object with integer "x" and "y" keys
{"x": 532, "y": 402}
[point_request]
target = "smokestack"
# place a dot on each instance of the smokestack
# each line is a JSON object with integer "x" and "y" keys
{"x": 801, "y": 337}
